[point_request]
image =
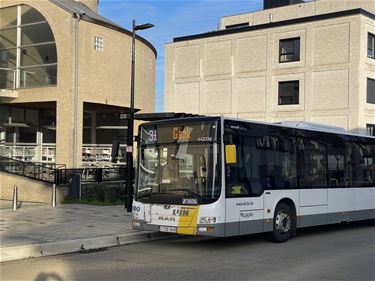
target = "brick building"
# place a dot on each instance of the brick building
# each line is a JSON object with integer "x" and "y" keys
{"x": 296, "y": 60}
{"x": 65, "y": 77}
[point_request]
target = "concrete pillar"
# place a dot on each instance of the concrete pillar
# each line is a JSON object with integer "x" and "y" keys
{"x": 65, "y": 146}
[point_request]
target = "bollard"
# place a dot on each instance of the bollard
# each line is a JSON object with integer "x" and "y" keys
{"x": 53, "y": 203}
{"x": 15, "y": 198}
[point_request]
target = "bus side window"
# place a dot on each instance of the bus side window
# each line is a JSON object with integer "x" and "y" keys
{"x": 312, "y": 163}
{"x": 336, "y": 163}
{"x": 242, "y": 175}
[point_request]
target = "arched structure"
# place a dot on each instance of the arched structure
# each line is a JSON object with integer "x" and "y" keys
{"x": 65, "y": 81}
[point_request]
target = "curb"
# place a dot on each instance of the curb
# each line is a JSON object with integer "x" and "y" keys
{"x": 78, "y": 245}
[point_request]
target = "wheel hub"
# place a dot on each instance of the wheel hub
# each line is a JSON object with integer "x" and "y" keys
{"x": 282, "y": 222}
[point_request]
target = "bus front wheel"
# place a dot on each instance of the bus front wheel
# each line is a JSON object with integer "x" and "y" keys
{"x": 283, "y": 223}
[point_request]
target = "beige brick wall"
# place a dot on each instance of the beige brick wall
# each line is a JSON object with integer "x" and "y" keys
{"x": 239, "y": 74}
{"x": 29, "y": 190}
{"x": 103, "y": 77}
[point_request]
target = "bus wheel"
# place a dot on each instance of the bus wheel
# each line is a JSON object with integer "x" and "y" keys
{"x": 283, "y": 223}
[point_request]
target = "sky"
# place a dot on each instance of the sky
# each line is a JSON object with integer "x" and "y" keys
{"x": 172, "y": 18}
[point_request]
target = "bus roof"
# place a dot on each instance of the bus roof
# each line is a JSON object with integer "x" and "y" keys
{"x": 300, "y": 125}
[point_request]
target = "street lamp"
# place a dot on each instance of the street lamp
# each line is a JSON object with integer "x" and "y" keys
{"x": 130, "y": 137}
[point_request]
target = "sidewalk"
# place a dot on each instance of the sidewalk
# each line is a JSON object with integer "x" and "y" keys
{"x": 36, "y": 230}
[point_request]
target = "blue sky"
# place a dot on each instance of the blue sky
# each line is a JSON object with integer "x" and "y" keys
{"x": 172, "y": 18}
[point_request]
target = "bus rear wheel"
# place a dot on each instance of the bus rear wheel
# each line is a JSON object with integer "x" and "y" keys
{"x": 283, "y": 223}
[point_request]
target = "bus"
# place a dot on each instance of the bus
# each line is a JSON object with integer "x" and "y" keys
{"x": 217, "y": 176}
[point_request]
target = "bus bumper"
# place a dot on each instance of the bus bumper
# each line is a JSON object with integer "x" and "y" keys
{"x": 214, "y": 230}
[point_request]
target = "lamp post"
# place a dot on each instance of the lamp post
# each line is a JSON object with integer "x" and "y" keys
{"x": 130, "y": 137}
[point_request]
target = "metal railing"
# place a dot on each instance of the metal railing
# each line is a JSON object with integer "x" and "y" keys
{"x": 28, "y": 169}
{"x": 58, "y": 174}
{"x": 100, "y": 155}
{"x": 7, "y": 82}
{"x": 91, "y": 175}
{"x": 29, "y": 152}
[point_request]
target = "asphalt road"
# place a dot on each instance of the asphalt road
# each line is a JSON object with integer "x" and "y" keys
{"x": 343, "y": 252}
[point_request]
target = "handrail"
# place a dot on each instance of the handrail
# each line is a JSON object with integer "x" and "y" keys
{"x": 28, "y": 169}
{"x": 60, "y": 174}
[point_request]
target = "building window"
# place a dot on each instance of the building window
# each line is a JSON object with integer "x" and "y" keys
{"x": 289, "y": 50}
{"x": 370, "y": 90}
{"x": 370, "y": 129}
{"x": 98, "y": 44}
{"x": 238, "y": 25}
{"x": 288, "y": 92}
{"x": 371, "y": 46}
{"x": 28, "y": 56}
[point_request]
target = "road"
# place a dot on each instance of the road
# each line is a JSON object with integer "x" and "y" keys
{"x": 342, "y": 252}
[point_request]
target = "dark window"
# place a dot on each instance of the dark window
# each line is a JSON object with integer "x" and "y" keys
{"x": 370, "y": 128}
{"x": 370, "y": 90}
{"x": 288, "y": 92}
{"x": 336, "y": 163}
{"x": 266, "y": 158}
{"x": 30, "y": 15}
{"x": 312, "y": 163}
{"x": 280, "y": 171}
{"x": 362, "y": 164}
{"x": 35, "y": 34}
{"x": 238, "y": 25}
{"x": 371, "y": 46}
{"x": 26, "y": 135}
{"x": 289, "y": 50}
{"x": 8, "y": 38}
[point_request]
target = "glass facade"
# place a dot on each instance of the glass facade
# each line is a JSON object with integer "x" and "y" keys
{"x": 28, "y": 56}
{"x": 27, "y": 134}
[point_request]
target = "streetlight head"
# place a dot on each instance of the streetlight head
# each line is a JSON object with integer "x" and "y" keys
{"x": 143, "y": 26}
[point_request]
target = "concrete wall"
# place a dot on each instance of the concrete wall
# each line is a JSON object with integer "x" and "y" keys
{"x": 238, "y": 74}
{"x": 29, "y": 190}
{"x": 367, "y": 70}
{"x": 317, "y": 7}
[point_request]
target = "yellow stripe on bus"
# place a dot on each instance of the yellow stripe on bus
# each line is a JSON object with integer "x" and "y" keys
{"x": 188, "y": 224}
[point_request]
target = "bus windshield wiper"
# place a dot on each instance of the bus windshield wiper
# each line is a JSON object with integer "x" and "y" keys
{"x": 145, "y": 194}
{"x": 188, "y": 191}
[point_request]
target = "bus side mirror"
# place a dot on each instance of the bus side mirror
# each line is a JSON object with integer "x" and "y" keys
{"x": 230, "y": 154}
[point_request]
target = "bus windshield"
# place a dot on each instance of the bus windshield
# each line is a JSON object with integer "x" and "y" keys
{"x": 178, "y": 164}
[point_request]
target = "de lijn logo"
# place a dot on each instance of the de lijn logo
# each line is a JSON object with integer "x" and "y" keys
{"x": 181, "y": 212}
{"x": 136, "y": 209}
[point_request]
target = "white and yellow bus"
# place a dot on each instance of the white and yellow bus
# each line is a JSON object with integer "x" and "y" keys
{"x": 221, "y": 177}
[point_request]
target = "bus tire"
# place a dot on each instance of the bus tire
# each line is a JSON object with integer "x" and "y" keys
{"x": 283, "y": 223}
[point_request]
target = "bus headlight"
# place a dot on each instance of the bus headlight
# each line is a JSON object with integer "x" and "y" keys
{"x": 135, "y": 215}
{"x": 207, "y": 220}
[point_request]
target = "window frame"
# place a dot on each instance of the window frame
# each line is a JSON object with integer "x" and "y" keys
{"x": 296, "y": 101}
{"x": 296, "y": 53}
{"x": 371, "y": 52}
{"x": 370, "y": 100}
{"x": 19, "y": 67}
{"x": 370, "y": 130}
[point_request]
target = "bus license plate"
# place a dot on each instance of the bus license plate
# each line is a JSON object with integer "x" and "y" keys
{"x": 170, "y": 229}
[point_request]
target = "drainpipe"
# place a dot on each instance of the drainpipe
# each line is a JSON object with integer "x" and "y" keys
{"x": 77, "y": 16}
